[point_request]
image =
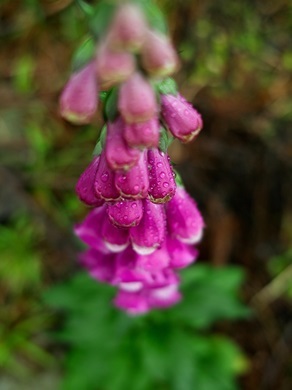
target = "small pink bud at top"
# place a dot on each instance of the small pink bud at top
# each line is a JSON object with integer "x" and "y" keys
{"x": 137, "y": 102}
{"x": 79, "y": 99}
{"x": 126, "y": 212}
{"x": 142, "y": 134}
{"x": 134, "y": 183}
{"x": 118, "y": 154}
{"x": 150, "y": 233}
{"x": 181, "y": 118}
{"x": 115, "y": 239}
{"x": 162, "y": 185}
{"x": 99, "y": 265}
{"x": 104, "y": 181}
{"x": 181, "y": 255}
{"x": 89, "y": 231}
{"x": 184, "y": 220}
{"x": 128, "y": 28}
{"x": 85, "y": 185}
{"x": 159, "y": 57}
{"x": 113, "y": 67}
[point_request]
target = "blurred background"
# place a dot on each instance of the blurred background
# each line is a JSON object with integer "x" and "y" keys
{"x": 234, "y": 328}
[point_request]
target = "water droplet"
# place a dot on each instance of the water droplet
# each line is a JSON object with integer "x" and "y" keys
{"x": 165, "y": 184}
{"x": 134, "y": 205}
{"x": 159, "y": 165}
{"x": 162, "y": 175}
{"x": 136, "y": 188}
{"x": 104, "y": 177}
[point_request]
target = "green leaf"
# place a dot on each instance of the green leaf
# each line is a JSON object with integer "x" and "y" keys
{"x": 165, "y": 140}
{"x": 102, "y": 15}
{"x": 110, "y": 107}
{"x": 167, "y": 87}
{"x": 83, "y": 54}
{"x": 154, "y": 16}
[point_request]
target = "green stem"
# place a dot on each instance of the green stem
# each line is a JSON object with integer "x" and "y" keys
{"x": 86, "y": 8}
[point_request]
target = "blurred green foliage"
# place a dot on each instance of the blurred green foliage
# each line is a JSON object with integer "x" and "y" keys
{"x": 170, "y": 349}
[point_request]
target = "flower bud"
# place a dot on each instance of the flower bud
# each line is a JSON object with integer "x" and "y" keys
{"x": 137, "y": 102}
{"x": 134, "y": 183}
{"x": 85, "y": 185}
{"x": 181, "y": 255}
{"x": 104, "y": 183}
{"x": 118, "y": 154}
{"x": 115, "y": 239}
{"x": 113, "y": 67}
{"x": 159, "y": 57}
{"x": 125, "y": 213}
{"x": 142, "y": 134}
{"x": 181, "y": 118}
{"x": 150, "y": 233}
{"x": 162, "y": 185}
{"x": 78, "y": 101}
{"x": 128, "y": 28}
{"x": 184, "y": 220}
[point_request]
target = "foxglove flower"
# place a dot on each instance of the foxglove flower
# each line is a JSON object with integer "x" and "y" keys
{"x": 181, "y": 255}
{"x": 134, "y": 303}
{"x": 161, "y": 177}
{"x": 78, "y": 101}
{"x": 150, "y": 233}
{"x": 89, "y": 231}
{"x": 128, "y": 28}
{"x": 115, "y": 239}
{"x": 125, "y": 213}
{"x": 184, "y": 220}
{"x": 134, "y": 183}
{"x": 113, "y": 67}
{"x": 137, "y": 102}
{"x": 142, "y": 134}
{"x": 182, "y": 119}
{"x": 158, "y": 55}
{"x": 85, "y": 185}
{"x": 118, "y": 154}
{"x": 104, "y": 182}
{"x": 99, "y": 265}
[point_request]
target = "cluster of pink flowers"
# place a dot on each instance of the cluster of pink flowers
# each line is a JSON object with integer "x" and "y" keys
{"x": 143, "y": 226}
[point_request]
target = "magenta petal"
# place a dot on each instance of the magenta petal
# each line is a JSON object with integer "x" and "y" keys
{"x": 85, "y": 185}
{"x": 133, "y": 303}
{"x": 78, "y": 101}
{"x": 137, "y": 101}
{"x": 184, "y": 220}
{"x": 115, "y": 239}
{"x": 182, "y": 119}
{"x": 164, "y": 297}
{"x": 89, "y": 230}
{"x": 118, "y": 154}
{"x": 181, "y": 255}
{"x": 154, "y": 262}
{"x": 126, "y": 212}
{"x": 104, "y": 183}
{"x": 143, "y": 134}
{"x": 162, "y": 185}
{"x": 150, "y": 233}
{"x": 99, "y": 265}
{"x": 134, "y": 183}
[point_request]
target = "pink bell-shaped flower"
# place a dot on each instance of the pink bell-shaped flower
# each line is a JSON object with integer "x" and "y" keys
{"x": 181, "y": 255}
{"x": 181, "y": 118}
{"x": 162, "y": 185}
{"x": 134, "y": 183}
{"x": 159, "y": 57}
{"x": 118, "y": 154}
{"x": 184, "y": 220}
{"x": 134, "y": 303}
{"x": 125, "y": 212}
{"x": 142, "y": 134}
{"x": 115, "y": 239}
{"x": 99, "y": 265}
{"x": 89, "y": 231}
{"x": 137, "y": 102}
{"x": 150, "y": 233}
{"x": 79, "y": 99}
{"x": 104, "y": 183}
{"x": 155, "y": 261}
{"x": 113, "y": 67}
{"x": 85, "y": 185}
{"x": 163, "y": 297}
{"x": 127, "y": 30}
